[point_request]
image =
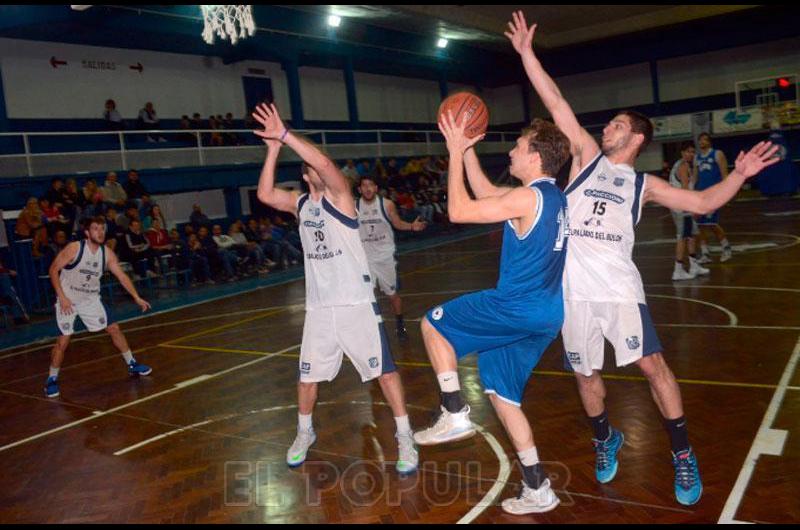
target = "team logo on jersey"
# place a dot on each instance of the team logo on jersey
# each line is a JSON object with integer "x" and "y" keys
{"x": 574, "y": 357}
{"x": 373, "y": 362}
{"x": 102, "y": 320}
{"x": 315, "y": 211}
{"x": 600, "y": 194}
{"x": 65, "y": 326}
{"x": 632, "y": 342}
{"x": 437, "y": 313}
{"x": 619, "y": 182}
{"x": 305, "y": 368}
{"x": 601, "y": 177}
{"x": 593, "y": 221}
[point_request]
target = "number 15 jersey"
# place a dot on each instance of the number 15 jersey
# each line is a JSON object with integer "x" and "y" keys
{"x": 605, "y": 204}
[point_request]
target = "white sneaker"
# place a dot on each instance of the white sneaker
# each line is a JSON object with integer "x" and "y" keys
{"x": 296, "y": 454}
{"x": 408, "y": 456}
{"x": 449, "y": 427}
{"x": 696, "y": 269}
{"x": 726, "y": 254}
{"x": 681, "y": 274}
{"x": 532, "y": 501}
{"x": 705, "y": 258}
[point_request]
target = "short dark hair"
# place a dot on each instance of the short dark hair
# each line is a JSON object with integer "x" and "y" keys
{"x": 96, "y": 220}
{"x": 707, "y": 135}
{"x": 367, "y": 177}
{"x": 640, "y": 124}
{"x": 688, "y": 144}
{"x": 552, "y": 145}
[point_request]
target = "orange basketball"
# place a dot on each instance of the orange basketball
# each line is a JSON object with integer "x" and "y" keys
{"x": 469, "y": 105}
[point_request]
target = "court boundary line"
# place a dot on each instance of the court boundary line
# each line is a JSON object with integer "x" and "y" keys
{"x": 768, "y": 441}
{"x": 174, "y": 388}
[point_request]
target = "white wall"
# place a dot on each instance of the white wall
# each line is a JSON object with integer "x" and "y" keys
{"x": 176, "y": 84}
{"x": 324, "y": 94}
{"x": 396, "y": 99}
{"x": 607, "y": 89}
{"x": 505, "y": 104}
{"x": 716, "y": 72}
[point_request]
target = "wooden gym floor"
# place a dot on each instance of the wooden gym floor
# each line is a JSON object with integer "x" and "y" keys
{"x": 204, "y": 438}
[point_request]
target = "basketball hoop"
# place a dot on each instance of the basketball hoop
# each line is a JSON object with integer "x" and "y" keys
{"x": 232, "y": 22}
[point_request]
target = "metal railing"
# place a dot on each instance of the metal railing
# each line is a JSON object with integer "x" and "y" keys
{"x": 29, "y": 154}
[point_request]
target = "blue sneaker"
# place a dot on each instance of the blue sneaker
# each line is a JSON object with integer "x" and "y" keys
{"x": 135, "y": 368}
{"x": 688, "y": 487}
{"x": 51, "y": 387}
{"x": 605, "y": 468}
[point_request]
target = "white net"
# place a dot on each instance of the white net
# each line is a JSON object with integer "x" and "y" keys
{"x": 227, "y": 22}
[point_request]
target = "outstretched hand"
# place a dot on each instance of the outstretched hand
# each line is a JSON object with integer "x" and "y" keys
{"x": 761, "y": 156}
{"x": 520, "y": 35}
{"x": 457, "y": 141}
{"x": 268, "y": 117}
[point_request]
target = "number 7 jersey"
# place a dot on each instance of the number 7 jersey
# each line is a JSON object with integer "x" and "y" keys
{"x": 605, "y": 205}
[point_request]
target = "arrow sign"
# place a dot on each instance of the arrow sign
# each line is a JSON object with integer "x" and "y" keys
{"x": 55, "y": 62}
{"x": 137, "y": 66}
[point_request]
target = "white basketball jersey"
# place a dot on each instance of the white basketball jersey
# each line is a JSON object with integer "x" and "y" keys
{"x": 336, "y": 267}
{"x": 605, "y": 204}
{"x": 80, "y": 280}
{"x": 376, "y": 230}
{"x": 675, "y": 180}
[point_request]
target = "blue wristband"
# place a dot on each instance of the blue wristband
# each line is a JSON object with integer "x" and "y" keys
{"x": 285, "y": 132}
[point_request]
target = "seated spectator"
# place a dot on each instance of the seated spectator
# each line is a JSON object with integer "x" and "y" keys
{"x": 90, "y": 189}
{"x": 152, "y": 215}
{"x": 112, "y": 118}
{"x": 227, "y": 261}
{"x": 59, "y": 242}
{"x": 364, "y": 169}
{"x": 148, "y": 120}
{"x": 186, "y": 126}
{"x": 124, "y": 219}
{"x": 146, "y": 212}
{"x": 137, "y": 251}
{"x": 406, "y": 205}
{"x": 55, "y": 195}
{"x": 40, "y": 243}
{"x": 350, "y": 170}
{"x": 226, "y": 244}
{"x": 216, "y": 137}
{"x": 30, "y": 220}
{"x": 271, "y": 249}
{"x": 187, "y": 257}
{"x": 134, "y": 188}
{"x": 96, "y": 206}
{"x": 158, "y": 238}
{"x": 230, "y": 138}
{"x": 113, "y": 232}
{"x": 250, "y": 249}
{"x": 113, "y": 192}
{"x": 197, "y": 121}
{"x": 289, "y": 253}
{"x": 54, "y": 220}
{"x": 423, "y": 205}
{"x": 188, "y": 231}
{"x": 198, "y": 218}
{"x": 9, "y": 296}
{"x": 75, "y": 200}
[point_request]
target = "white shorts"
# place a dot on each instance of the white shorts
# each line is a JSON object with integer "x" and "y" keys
{"x": 92, "y": 312}
{"x": 384, "y": 273}
{"x": 627, "y": 326}
{"x": 356, "y": 331}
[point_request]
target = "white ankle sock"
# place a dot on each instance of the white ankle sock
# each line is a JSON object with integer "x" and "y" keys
{"x": 529, "y": 457}
{"x": 128, "y": 356}
{"x": 54, "y": 372}
{"x": 448, "y": 381}
{"x": 304, "y": 422}
{"x": 403, "y": 425}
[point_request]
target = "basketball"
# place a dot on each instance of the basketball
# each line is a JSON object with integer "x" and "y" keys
{"x": 468, "y": 104}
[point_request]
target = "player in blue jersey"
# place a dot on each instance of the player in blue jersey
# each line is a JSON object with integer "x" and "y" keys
{"x": 510, "y": 326}
{"x": 711, "y": 168}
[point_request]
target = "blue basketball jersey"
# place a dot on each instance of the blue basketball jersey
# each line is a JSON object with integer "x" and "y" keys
{"x": 708, "y": 172}
{"x": 531, "y": 265}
